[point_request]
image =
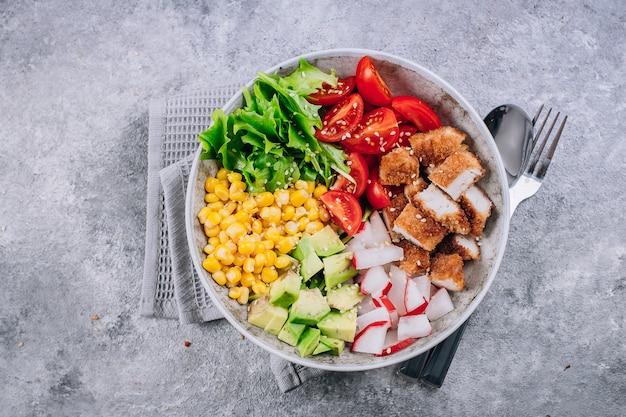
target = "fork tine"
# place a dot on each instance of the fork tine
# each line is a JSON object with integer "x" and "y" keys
{"x": 547, "y": 159}
{"x": 538, "y": 133}
{"x": 537, "y": 114}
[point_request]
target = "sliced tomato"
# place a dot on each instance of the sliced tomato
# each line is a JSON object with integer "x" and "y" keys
{"x": 359, "y": 171}
{"x": 376, "y": 193}
{"x": 344, "y": 210}
{"x": 370, "y": 84}
{"x": 330, "y": 95}
{"x": 376, "y": 133}
{"x": 417, "y": 112}
{"x": 341, "y": 119}
{"x": 405, "y": 131}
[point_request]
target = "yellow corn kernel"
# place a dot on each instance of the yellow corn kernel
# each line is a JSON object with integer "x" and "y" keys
{"x": 257, "y": 226}
{"x": 298, "y": 197}
{"x": 268, "y": 244}
{"x": 221, "y": 191}
{"x": 219, "y": 277}
{"x": 314, "y": 226}
{"x": 211, "y": 198}
{"x": 209, "y": 184}
{"x": 281, "y": 197}
{"x": 246, "y": 247}
{"x": 216, "y": 206}
{"x": 300, "y": 211}
{"x": 288, "y": 213}
{"x": 242, "y": 217}
{"x": 271, "y": 256}
{"x": 212, "y": 219}
{"x": 272, "y": 233}
{"x": 203, "y": 213}
{"x": 291, "y": 227}
{"x": 249, "y": 206}
{"x": 232, "y": 246}
{"x": 264, "y": 199}
{"x": 235, "y": 231}
{"x": 311, "y": 186}
{"x": 259, "y": 247}
{"x": 208, "y": 249}
{"x": 235, "y": 292}
{"x": 285, "y": 245}
{"x": 234, "y": 176}
{"x": 214, "y": 241}
{"x": 211, "y": 264}
{"x": 259, "y": 287}
{"x": 311, "y": 203}
{"x": 223, "y": 237}
{"x": 223, "y": 212}
{"x": 271, "y": 214}
{"x": 239, "y": 196}
{"x": 211, "y": 231}
{"x": 324, "y": 215}
{"x": 248, "y": 265}
{"x": 245, "y": 294}
{"x": 222, "y": 252}
{"x": 269, "y": 274}
{"x": 222, "y": 174}
{"x": 237, "y": 185}
{"x": 239, "y": 258}
{"x": 228, "y": 260}
{"x": 247, "y": 279}
{"x": 260, "y": 260}
{"x": 302, "y": 223}
{"x": 313, "y": 214}
{"x": 282, "y": 261}
{"x": 319, "y": 190}
{"x": 233, "y": 275}
{"x": 230, "y": 207}
{"x": 301, "y": 185}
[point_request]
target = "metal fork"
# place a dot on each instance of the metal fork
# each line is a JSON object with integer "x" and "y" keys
{"x": 431, "y": 367}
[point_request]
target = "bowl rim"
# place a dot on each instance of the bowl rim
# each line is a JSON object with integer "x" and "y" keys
{"x": 501, "y": 174}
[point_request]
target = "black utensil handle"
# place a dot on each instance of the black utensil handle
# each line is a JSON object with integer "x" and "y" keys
{"x": 413, "y": 367}
{"x": 436, "y": 367}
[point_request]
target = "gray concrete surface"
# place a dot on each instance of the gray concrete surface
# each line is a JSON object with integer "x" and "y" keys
{"x": 76, "y": 79}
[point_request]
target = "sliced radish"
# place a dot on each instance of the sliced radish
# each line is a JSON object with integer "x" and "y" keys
{"x": 375, "y": 281}
{"x": 414, "y": 300}
{"x": 424, "y": 285}
{"x": 377, "y": 314}
{"x": 414, "y": 326}
{"x": 393, "y": 344}
{"x": 364, "y": 236}
{"x": 380, "y": 234}
{"x": 371, "y": 339}
{"x": 398, "y": 287}
{"x": 365, "y": 306}
{"x": 440, "y": 304}
{"x": 385, "y": 302}
{"x": 368, "y": 258}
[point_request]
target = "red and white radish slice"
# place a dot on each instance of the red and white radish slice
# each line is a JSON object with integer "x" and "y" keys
{"x": 375, "y": 282}
{"x": 377, "y": 314}
{"x": 367, "y": 258}
{"x": 398, "y": 287}
{"x": 440, "y": 304}
{"x": 424, "y": 285}
{"x": 380, "y": 235}
{"x": 371, "y": 339}
{"x": 391, "y": 309}
{"x": 365, "y": 306}
{"x": 414, "y": 300}
{"x": 414, "y": 326}
{"x": 393, "y": 344}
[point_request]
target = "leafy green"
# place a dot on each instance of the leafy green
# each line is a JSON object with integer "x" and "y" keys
{"x": 271, "y": 140}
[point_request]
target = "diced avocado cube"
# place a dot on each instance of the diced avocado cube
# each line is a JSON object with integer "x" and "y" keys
{"x": 310, "y": 263}
{"x": 309, "y": 308}
{"x": 269, "y": 317}
{"x": 303, "y": 249}
{"x": 326, "y": 242}
{"x": 344, "y": 297}
{"x": 339, "y": 325}
{"x": 308, "y": 341}
{"x": 335, "y": 346}
{"x": 338, "y": 268}
{"x": 291, "y": 332}
{"x": 321, "y": 348}
{"x": 284, "y": 291}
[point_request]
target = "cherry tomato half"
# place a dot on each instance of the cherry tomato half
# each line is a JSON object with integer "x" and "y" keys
{"x": 359, "y": 171}
{"x": 417, "y": 112}
{"x": 344, "y": 210}
{"x": 376, "y": 193}
{"x": 376, "y": 133}
{"x": 341, "y": 119}
{"x": 405, "y": 131}
{"x": 329, "y": 95}
{"x": 370, "y": 84}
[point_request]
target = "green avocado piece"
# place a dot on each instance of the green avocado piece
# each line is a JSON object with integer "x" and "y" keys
{"x": 284, "y": 291}
{"x": 308, "y": 342}
{"x": 326, "y": 242}
{"x": 321, "y": 348}
{"x": 310, "y": 262}
{"x": 339, "y": 325}
{"x": 344, "y": 297}
{"x": 309, "y": 308}
{"x": 338, "y": 268}
{"x": 335, "y": 346}
{"x": 266, "y": 315}
{"x": 291, "y": 332}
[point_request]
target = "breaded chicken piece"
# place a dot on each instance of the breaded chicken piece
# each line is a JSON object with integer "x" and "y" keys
{"x": 391, "y": 213}
{"x": 464, "y": 245}
{"x": 414, "y": 187}
{"x": 457, "y": 173}
{"x": 434, "y": 146}
{"x": 446, "y": 270}
{"x": 419, "y": 228}
{"x": 416, "y": 260}
{"x": 478, "y": 207}
{"x": 442, "y": 208}
{"x": 398, "y": 167}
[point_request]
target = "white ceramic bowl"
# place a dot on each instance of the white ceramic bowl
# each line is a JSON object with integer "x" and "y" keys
{"x": 402, "y": 77}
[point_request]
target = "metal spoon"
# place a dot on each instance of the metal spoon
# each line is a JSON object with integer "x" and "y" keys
{"x": 512, "y": 130}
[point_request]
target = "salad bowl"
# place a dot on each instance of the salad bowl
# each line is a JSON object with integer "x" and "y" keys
{"x": 403, "y": 77}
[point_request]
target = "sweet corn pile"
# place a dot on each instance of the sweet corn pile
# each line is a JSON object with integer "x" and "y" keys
{"x": 250, "y": 235}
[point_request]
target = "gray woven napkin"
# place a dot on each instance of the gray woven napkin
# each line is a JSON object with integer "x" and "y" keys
{"x": 171, "y": 287}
